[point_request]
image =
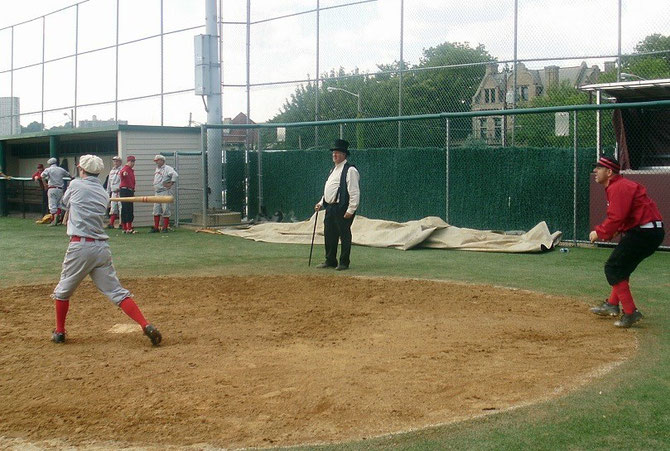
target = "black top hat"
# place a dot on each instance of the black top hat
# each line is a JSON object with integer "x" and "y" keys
{"x": 341, "y": 145}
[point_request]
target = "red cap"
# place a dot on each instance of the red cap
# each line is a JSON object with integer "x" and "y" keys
{"x": 609, "y": 163}
{"x": 40, "y": 166}
{"x": 130, "y": 158}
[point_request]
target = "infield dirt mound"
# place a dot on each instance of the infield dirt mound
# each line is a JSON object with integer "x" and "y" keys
{"x": 280, "y": 360}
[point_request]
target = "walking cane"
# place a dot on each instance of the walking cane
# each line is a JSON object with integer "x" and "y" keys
{"x": 316, "y": 216}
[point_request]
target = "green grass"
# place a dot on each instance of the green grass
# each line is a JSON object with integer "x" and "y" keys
{"x": 629, "y": 408}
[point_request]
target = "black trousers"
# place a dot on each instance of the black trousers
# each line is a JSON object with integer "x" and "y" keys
{"x": 127, "y": 211}
{"x": 337, "y": 228}
{"x": 635, "y": 245}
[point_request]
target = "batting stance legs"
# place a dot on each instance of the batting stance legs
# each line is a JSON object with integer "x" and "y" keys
{"x": 93, "y": 257}
{"x": 337, "y": 228}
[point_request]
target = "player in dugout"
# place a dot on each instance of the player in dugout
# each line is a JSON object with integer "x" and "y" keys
{"x": 88, "y": 252}
{"x": 634, "y": 215}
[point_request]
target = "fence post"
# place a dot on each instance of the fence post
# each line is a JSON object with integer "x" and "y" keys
{"x": 260, "y": 174}
{"x": 446, "y": 172}
{"x": 176, "y": 192}
{"x": 205, "y": 187}
{"x": 574, "y": 174}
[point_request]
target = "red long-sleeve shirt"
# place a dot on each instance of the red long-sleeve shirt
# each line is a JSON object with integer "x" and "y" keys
{"x": 628, "y": 206}
{"x": 127, "y": 176}
{"x": 37, "y": 176}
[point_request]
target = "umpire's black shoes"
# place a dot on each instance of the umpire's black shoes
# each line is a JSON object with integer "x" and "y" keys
{"x": 58, "y": 337}
{"x": 153, "y": 334}
{"x": 606, "y": 309}
{"x": 325, "y": 265}
{"x": 628, "y": 320}
{"x": 342, "y": 267}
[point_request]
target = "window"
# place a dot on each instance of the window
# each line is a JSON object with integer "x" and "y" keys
{"x": 497, "y": 124}
{"x": 490, "y": 95}
{"x": 522, "y": 92}
{"x": 482, "y": 128}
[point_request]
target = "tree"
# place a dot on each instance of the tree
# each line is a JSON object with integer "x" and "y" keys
{"x": 34, "y": 126}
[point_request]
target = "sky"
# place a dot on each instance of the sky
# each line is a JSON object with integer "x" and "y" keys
{"x": 359, "y": 36}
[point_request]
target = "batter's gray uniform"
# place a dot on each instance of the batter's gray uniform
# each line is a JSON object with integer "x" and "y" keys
{"x": 164, "y": 174}
{"x": 54, "y": 175}
{"x": 86, "y": 200}
{"x": 113, "y": 184}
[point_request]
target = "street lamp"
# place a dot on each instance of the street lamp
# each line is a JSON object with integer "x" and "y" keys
{"x": 359, "y": 140}
{"x": 71, "y": 117}
{"x": 629, "y": 76}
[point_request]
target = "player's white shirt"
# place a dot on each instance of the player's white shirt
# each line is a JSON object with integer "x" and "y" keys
{"x": 163, "y": 175}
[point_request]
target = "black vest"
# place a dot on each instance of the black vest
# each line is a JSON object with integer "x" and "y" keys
{"x": 343, "y": 192}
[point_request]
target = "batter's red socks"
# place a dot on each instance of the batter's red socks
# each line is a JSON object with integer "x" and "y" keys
{"x": 132, "y": 310}
{"x": 157, "y": 220}
{"x": 166, "y": 222}
{"x": 62, "y": 307}
{"x": 622, "y": 291}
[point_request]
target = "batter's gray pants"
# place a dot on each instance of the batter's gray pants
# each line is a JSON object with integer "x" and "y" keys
{"x": 89, "y": 257}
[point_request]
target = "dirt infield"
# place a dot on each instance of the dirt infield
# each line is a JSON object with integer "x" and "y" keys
{"x": 281, "y": 360}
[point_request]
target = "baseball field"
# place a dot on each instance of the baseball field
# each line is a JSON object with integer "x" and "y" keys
{"x": 422, "y": 349}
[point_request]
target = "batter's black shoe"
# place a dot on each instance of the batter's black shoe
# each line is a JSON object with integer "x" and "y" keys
{"x": 154, "y": 230}
{"x": 153, "y": 334}
{"x": 606, "y": 309}
{"x": 58, "y": 337}
{"x": 628, "y": 320}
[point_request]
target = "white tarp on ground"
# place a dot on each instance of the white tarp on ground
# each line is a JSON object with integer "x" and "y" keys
{"x": 431, "y": 232}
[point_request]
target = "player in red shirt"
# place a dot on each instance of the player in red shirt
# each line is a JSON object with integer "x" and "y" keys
{"x": 631, "y": 213}
{"x": 127, "y": 189}
{"x": 37, "y": 176}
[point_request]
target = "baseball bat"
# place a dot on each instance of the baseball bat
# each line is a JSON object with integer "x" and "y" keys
{"x": 146, "y": 199}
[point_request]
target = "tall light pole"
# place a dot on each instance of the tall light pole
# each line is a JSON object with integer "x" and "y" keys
{"x": 359, "y": 138}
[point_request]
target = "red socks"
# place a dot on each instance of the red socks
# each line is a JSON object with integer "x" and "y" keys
{"x": 166, "y": 222}
{"x": 112, "y": 220}
{"x": 62, "y": 307}
{"x": 157, "y": 220}
{"x": 622, "y": 292}
{"x": 132, "y": 310}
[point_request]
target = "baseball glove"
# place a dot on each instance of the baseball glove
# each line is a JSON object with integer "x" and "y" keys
{"x": 46, "y": 219}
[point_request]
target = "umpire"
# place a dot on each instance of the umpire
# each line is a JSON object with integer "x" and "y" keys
{"x": 631, "y": 213}
{"x": 341, "y": 197}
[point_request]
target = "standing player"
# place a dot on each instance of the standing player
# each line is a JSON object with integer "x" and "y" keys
{"x": 89, "y": 253}
{"x": 113, "y": 188}
{"x": 631, "y": 213}
{"x": 341, "y": 197}
{"x": 37, "y": 176}
{"x": 164, "y": 179}
{"x": 127, "y": 189}
{"x": 55, "y": 178}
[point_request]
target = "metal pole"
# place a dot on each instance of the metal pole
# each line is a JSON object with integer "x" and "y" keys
{"x": 260, "y": 173}
{"x": 599, "y": 144}
{"x": 246, "y": 139}
{"x": 11, "y": 91}
{"x": 224, "y": 157}
{"x": 162, "y": 68}
{"x": 446, "y": 172}
{"x": 76, "y": 63}
{"x": 205, "y": 179}
{"x": 618, "y": 59}
{"x": 516, "y": 35}
{"x": 316, "y": 87}
{"x": 402, "y": 66}
{"x": 116, "y": 76}
{"x": 43, "y": 47}
{"x": 176, "y": 192}
{"x": 214, "y": 155}
{"x": 342, "y": 131}
{"x": 574, "y": 181}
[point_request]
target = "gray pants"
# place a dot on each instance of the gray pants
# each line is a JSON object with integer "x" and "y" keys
{"x": 94, "y": 258}
{"x": 55, "y": 196}
{"x": 163, "y": 209}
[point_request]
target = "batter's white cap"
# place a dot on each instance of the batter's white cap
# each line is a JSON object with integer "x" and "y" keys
{"x": 91, "y": 164}
{"x": 159, "y": 157}
{"x": 51, "y": 161}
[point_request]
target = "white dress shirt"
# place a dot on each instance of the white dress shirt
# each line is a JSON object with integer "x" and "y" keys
{"x": 332, "y": 187}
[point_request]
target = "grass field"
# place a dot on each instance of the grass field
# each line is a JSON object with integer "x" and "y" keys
{"x": 628, "y": 408}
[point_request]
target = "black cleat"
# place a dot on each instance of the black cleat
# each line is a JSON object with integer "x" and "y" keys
{"x": 153, "y": 334}
{"x": 325, "y": 265}
{"x": 628, "y": 320}
{"x": 342, "y": 267}
{"x": 606, "y": 309}
{"x": 154, "y": 230}
{"x": 166, "y": 230}
{"x": 58, "y": 337}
